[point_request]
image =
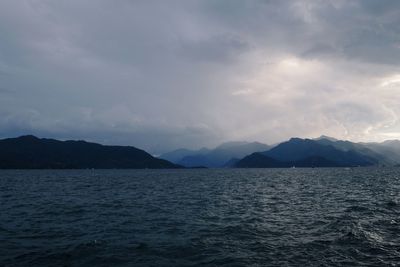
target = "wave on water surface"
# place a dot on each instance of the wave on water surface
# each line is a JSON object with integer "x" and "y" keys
{"x": 259, "y": 217}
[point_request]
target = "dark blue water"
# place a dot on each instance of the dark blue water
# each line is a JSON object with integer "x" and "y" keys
{"x": 260, "y": 217}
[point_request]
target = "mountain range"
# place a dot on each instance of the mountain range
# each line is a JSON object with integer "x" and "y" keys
{"x": 30, "y": 152}
{"x": 224, "y": 155}
{"x": 323, "y": 152}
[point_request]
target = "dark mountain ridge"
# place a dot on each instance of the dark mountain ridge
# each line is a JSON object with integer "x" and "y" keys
{"x": 298, "y": 149}
{"x": 307, "y": 153}
{"x": 30, "y": 152}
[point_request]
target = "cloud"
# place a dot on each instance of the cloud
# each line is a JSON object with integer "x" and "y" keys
{"x": 161, "y": 75}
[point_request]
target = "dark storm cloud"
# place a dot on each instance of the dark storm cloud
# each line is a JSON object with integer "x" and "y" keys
{"x": 165, "y": 74}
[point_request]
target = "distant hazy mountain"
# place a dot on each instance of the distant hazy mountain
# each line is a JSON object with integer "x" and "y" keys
{"x": 231, "y": 163}
{"x": 361, "y": 148}
{"x": 390, "y": 149}
{"x": 306, "y": 153}
{"x": 222, "y": 156}
{"x": 30, "y": 152}
{"x": 392, "y": 143}
{"x": 179, "y": 154}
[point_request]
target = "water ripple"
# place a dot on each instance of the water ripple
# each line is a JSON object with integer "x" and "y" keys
{"x": 260, "y": 217}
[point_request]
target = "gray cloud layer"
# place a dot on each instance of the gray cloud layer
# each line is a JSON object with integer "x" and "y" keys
{"x": 167, "y": 74}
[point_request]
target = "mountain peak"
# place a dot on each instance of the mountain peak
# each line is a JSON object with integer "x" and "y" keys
{"x": 28, "y": 136}
{"x": 306, "y": 153}
{"x": 326, "y": 137}
{"x": 392, "y": 141}
{"x": 231, "y": 144}
{"x": 296, "y": 139}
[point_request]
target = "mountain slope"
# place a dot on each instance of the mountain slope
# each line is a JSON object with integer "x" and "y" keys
{"x": 305, "y": 153}
{"x": 30, "y": 152}
{"x": 258, "y": 160}
{"x": 298, "y": 149}
{"x": 390, "y": 149}
{"x": 363, "y": 149}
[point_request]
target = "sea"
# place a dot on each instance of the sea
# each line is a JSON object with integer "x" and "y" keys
{"x": 200, "y": 217}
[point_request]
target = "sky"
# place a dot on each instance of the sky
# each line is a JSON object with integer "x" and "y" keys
{"x": 162, "y": 75}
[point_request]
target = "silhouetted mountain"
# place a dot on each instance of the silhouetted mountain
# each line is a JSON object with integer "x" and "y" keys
{"x": 30, "y": 152}
{"x": 306, "y": 153}
{"x": 316, "y": 161}
{"x": 221, "y": 156}
{"x": 259, "y": 160}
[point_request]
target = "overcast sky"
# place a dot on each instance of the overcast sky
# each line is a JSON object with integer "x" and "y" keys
{"x": 162, "y": 74}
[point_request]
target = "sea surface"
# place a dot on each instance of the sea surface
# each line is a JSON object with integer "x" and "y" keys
{"x": 200, "y": 217}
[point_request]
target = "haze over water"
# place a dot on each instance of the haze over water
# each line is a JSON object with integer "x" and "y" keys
{"x": 228, "y": 217}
